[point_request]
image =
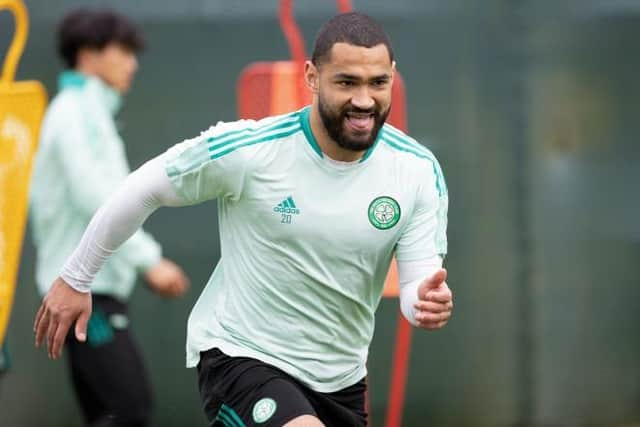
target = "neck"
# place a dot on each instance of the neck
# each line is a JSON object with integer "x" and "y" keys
{"x": 328, "y": 146}
{"x": 90, "y": 71}
{"x": 85, "y": 69}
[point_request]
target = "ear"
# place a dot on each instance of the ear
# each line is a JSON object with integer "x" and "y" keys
{"x": 86, "y": 58}
{"x": 393, "y": 71}
{"x": 311, "y": 77}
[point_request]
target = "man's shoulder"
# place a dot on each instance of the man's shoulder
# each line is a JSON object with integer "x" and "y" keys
{"x": 65, "y": 105}
{"x": 238, "y": 141}
{"x": 398, "y": 143}
{"x": 270, "y": 126}
{"x": 226, "y": 137}
{"x": 63, "y": 111}
{"x": 413, "y": 156}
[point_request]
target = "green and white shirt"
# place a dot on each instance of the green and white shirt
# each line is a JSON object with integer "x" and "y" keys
{"x": 306, "y": 241}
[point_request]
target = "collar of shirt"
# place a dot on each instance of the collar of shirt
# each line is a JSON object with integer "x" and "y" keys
{"x": 103, "y": 93}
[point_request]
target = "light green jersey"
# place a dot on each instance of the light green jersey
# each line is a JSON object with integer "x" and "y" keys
{"x": 306, "y": 241}
{"x": 80, "y": 161}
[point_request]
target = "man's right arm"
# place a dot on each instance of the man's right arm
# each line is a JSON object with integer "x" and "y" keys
{"x": 144, "y": 191}
{"x": 69, "y": 300}
{"x": 211, "y": 165}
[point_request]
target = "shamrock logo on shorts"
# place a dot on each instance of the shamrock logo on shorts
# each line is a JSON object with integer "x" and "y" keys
{"x": 264, "y": 409}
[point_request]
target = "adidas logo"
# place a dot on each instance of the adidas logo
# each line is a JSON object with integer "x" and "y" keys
{"x": 287, "y": 206}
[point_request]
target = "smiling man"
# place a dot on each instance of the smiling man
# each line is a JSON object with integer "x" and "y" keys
{"x": 312, "y": 207}
{"x": 351, "y": 117}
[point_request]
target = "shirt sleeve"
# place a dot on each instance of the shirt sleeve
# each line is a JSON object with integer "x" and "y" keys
{"x": 211, "y": 165}
{"x": 139, "y": 196}
{"x": 142, "y": 251}
{"x": 425, "y": 235}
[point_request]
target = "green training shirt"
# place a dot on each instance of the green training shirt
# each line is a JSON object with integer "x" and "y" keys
{"x": 306, "y": 241}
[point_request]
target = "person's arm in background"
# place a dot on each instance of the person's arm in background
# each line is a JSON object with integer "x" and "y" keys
{"x": 91, "y": 182}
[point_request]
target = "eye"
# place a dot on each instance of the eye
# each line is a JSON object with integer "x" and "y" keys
{"x": 380, "y": 83}
{"x": 345, "y": 83}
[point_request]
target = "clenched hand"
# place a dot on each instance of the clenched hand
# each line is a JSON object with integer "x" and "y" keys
{"x": 435, "y": 302}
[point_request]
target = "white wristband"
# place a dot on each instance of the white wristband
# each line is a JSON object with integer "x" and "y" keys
{"x": 411, "y": 275}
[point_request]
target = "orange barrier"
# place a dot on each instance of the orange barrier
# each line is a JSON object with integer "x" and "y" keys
{"x": 22, "y": 106}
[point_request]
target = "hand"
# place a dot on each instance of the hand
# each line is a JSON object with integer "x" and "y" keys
{"x": 166, "y": 278}
{"x": 435, "y": 302}
{"x": 60, "y": 308}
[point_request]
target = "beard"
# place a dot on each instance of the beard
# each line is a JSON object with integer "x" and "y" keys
{"x": 334, "y": 123}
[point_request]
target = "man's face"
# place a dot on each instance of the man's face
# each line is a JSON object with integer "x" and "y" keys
{"x": 116, "y": 65}
{"x": 354, "y": 94}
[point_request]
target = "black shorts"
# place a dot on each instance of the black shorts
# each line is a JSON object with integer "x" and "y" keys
{"x": 240, "y": 391}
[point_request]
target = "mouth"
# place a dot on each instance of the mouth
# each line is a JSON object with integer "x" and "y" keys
{"x": 359, "y": 121}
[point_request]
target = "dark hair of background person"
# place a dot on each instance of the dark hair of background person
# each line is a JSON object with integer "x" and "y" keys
{"x": 95, "y": 29}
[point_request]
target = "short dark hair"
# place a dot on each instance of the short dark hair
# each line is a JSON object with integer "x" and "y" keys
{"x": 86, "y": 28}
{"x": 353, "y": 28}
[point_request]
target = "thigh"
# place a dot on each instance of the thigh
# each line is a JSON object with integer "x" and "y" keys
{"x": 344, "y": 408}
{"x": 239, "y": 391}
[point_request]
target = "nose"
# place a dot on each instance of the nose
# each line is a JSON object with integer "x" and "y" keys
{"x": 362, "y": 99}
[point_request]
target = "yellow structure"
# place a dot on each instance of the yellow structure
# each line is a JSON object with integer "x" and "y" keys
{"x": 22, "y": 105}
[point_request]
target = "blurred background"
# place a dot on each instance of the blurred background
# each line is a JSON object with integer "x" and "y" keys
{"x": 533, "y": 109}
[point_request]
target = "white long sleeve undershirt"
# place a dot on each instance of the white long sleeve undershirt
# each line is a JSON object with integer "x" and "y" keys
{"x": 144, "y": 191}
{"x": 149, "y": 188}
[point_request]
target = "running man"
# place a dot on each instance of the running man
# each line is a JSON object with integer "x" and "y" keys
{"x": 80, "y": 162}
{"x": 312, "y": 207}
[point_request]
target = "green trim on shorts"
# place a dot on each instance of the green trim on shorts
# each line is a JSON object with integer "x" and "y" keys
{"x": 99, "y": 331}
{"x": 229, "y": 417}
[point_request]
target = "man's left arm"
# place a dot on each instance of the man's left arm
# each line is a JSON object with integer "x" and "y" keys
{"x": 425, "y": 298}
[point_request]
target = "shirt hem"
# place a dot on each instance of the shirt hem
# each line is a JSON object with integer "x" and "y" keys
{"x": 193, "y": 358}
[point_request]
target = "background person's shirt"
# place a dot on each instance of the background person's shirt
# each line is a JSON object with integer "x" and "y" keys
{"x": 306, "y": 242}
{"x": 80, "y": 161}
